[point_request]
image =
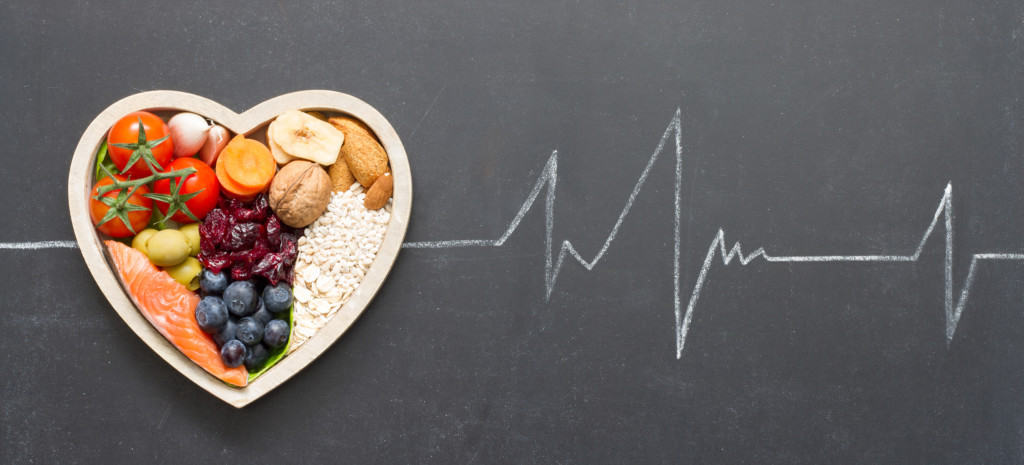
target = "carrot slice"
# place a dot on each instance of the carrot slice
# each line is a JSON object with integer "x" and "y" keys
{"x": 230, "y": 188}
{"x": 250, "y": 164}
{"x": 231, "y": 166}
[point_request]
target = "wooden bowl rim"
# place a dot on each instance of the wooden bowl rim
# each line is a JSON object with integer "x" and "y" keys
{"x": 80, "y": 180}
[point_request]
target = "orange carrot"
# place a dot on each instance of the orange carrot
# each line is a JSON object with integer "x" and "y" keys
{"x": 249, "y": 163}
{"x": 245, "y": 167}
{"x": 230, "y": 188}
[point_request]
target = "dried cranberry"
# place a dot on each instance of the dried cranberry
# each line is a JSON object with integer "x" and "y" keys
{"x": 230, "y": 205}
{"x": 248, "y": 239}
{"x": 215, "y": 226}
{"x": 286, "y": 237}
{"x": 270, "y": 267}
{"x": 245, "y": 212}
{"x": 289, "y": 250}
{"x": 258, "y": 251}
{"x": 260, "y": 207}
{"x": 238, "y": 256}
{"x": 273, "y": 231}
{"x": 242, "y": 236}
{"x": 206, "y": 246}
{"x": 241, "y": 271}
{"x": 215, "y": 261}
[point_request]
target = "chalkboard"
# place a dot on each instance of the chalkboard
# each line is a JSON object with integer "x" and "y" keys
{"x": 687, "y": 232}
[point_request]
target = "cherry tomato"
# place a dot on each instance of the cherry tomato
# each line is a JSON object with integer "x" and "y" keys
{"x": 126, "y": 132}
{"x": 204, "y": 181}
{"x": 115, "y": 227}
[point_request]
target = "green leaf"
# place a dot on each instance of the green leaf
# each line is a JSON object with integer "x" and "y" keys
{"x": 158, "y": 219}
{"x": 101, "y": 157}
{"x": 277, "y": 354}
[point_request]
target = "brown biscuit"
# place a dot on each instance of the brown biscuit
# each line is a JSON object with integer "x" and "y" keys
{"x": 363, "y": 154}
{"x": 341, "y": 177}
{"x": 366, "y": 159}
{"x": 348, "y": 124}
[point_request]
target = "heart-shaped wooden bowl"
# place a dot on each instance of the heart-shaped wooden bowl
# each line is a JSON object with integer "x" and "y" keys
{"x": 80, "y": 181}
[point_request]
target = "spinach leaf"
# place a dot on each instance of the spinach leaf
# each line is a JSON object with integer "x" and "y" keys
{"x": 277, "y": 354}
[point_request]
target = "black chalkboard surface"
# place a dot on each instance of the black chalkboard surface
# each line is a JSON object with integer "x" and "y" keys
{"x": 572, "y": 291}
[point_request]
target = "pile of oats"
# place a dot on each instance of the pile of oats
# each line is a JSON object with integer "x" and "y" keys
{"x": 334, "y": 254}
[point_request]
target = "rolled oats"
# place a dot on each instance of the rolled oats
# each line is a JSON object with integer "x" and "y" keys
{"x": 335, "y": 253}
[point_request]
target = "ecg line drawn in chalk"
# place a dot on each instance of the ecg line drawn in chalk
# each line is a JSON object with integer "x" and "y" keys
{"x": 38, "y": 245}
{"x": 683, "y": 320}
{"x": 548, "y": 179}
{"x": 953, "y": 310}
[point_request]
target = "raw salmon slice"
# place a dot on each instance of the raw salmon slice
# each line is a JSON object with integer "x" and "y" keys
{"x": 170, "y": 307}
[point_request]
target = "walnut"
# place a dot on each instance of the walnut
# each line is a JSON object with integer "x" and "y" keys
{"x": 299, "y": 193}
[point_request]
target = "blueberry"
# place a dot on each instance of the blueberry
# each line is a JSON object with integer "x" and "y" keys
{"x": 226, "y": 333}
{"x": 233, "y": 353}
{"x": 250, "y": 331}
{"x": 212, "y": 283}
{"x": 262, "y": 315}
{"x": 276, "y": 334}
{"x": 277, "y": 298}
{"x": 211, "y": 314}
{"x": 255, "y": 357}
{"x": 241, "y": 298}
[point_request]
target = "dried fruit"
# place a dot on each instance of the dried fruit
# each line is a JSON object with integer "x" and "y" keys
{"x": 275, "y": 150}
{"x": 303, "y": 136}
{"x": 273, "y": 230}
{"x": 240, "y": 237}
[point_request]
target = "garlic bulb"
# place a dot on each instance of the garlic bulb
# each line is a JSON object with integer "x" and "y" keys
{"x": 216, "y": 139}
{"x": 188, "y": 131}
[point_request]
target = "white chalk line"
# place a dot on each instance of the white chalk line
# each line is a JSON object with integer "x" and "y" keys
{"x": 553, "y": 265}
{"x": 549, "y": 177}
{"x": 38, "y": 245}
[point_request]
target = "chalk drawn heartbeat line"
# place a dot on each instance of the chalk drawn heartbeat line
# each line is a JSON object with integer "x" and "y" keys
{"x": 718, "y": 247}
{"x": 547, "y": 181}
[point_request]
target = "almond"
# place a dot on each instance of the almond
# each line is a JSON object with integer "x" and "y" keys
{"x": 380, "y": 192}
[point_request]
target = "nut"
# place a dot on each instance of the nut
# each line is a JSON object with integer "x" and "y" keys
{"x": 379, "y": 192}
{"x": 341, "y": 177}
{"x": 299, "y": 193}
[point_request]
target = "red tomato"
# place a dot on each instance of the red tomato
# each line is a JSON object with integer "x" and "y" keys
{"x": 115, "y": 227}
{"x": 204, "y": 181}
{"x": 126, "y": 132}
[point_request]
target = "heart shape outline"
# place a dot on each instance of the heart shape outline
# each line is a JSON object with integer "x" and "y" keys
{"x": 247, "y": 122}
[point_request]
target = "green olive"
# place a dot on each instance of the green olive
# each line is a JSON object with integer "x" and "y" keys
{"x": 191, "y": 232}
{"x": 167, "y": 248}
{"x": 186, "y": 272}
{"x": 139, "y": 242}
